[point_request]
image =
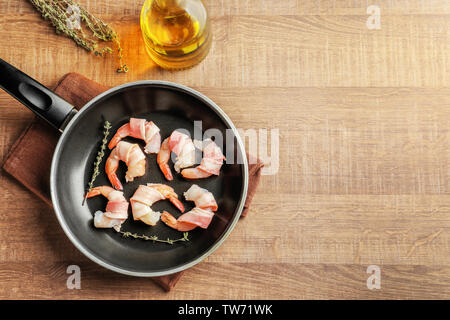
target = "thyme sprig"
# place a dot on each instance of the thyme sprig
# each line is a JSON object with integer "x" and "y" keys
{"x": 127, "y": 234}
{"x": 61, "y": 13}
{"x": 98, "y": 160}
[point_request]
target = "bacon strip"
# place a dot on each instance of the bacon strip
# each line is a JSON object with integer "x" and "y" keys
{"x": 201, "y": 197}
{"x": 102, "y": 221}
{"x": 198, "y": 217}
{"x": 137, "y": 128}
{"x": 183, "y": 147}
{"x": 146, "y": 195}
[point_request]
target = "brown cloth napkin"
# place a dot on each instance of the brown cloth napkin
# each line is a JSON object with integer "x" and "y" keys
{"x": 38, "y": 142}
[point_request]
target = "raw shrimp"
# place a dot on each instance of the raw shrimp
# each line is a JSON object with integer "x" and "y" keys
{"x": 134, "y": 158}
{"x": 163, "y": 159}
{"x": 140, "y": 129}
{"x": 200, "y": 216}
{"x": 210, "y": 165}
{"x": 146, "y": 195}
{"x": 180, "y": 144}
{"x": 116, "y": 211}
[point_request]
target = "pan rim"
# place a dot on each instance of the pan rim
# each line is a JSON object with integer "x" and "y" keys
{"x": 74, "y": 239}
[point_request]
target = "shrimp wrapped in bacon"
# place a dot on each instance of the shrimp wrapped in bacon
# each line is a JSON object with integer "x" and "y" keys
{"x": 134, "y": 158}
{"x": 146, "y": 195}
{"x": 200, "y": 216}
{"x": 180, "y": 144}
{"x": 139, "y": 129}
{"x": 211, "y": 162}
{"x": 116, "y": 211}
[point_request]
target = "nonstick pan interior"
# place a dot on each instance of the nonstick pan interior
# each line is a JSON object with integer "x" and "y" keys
{"x": 171, "y": 107}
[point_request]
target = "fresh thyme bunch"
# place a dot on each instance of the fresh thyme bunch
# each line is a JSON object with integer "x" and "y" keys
{"x": 64, "y": 15}
{"x": 127, "y": 234}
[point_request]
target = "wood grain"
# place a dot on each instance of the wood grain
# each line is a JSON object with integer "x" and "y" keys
{"x": 363, "y": 176}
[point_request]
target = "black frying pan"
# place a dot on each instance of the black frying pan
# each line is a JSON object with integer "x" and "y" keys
{"x": 170, "y": 106}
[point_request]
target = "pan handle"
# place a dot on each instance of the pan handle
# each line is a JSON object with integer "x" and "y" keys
{"x": 39, "y": 99}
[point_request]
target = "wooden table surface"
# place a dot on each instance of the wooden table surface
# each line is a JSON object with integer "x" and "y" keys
{"x": 364, "y": 163}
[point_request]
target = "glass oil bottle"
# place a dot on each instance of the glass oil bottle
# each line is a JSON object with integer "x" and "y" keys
{"x": 176, "y": 33}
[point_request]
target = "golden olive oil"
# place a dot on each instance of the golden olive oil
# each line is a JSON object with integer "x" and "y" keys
{"x": 176, "y": 33}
